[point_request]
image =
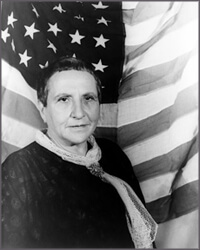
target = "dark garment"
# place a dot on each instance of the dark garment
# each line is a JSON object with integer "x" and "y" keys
{"x": 48, "y": 202}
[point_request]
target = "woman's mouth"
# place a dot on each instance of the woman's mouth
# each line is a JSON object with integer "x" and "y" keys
{"x": 79, "y": 126}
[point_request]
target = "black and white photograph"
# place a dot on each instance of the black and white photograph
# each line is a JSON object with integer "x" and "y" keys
{"x": 99, "y": 116}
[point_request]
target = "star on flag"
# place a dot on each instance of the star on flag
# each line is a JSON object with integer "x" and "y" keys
{"x": 101, "y": 41}
{"x": 35, "y": 11}
{"x": 59, "y": 8}
{"x": 103, "y": 20}
{"x": 30, "y": 30}
{"x": 13, "y": 45}
{"x": 11, "y": 19}
{"x": 100, "y": 6}
{"x": 24, "y": 58}
{"x": 79, "y": 17}
{"x": 54, "y": 28}
{"x": 44, "y": 66}
{"x": 99, "y": 66}
{"x": 5, "y": 34}
{"x": 51, "y": 46}
{"x": 76, "y": 38}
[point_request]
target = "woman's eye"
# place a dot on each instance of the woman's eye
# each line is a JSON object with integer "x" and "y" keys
{"x": 63, "y": 99}
{"x": 90, "y": 98}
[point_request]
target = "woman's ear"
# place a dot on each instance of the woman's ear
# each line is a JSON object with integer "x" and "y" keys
{"x": 42, "y": 109}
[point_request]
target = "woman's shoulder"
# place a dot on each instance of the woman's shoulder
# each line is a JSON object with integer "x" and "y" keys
{"x": 112, "y": 149}
{"x": 22, "y": 157}
{"x": 23, "y": 152}
{"x": 112, "y": 153}
{"x": 17, "y": 165}
{"x": 107, "y": 143}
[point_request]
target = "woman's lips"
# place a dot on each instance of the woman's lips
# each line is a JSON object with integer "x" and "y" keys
{"x": 77, "y": 126}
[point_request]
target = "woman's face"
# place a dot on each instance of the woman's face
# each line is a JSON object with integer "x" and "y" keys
{"x": 72, "y": 110}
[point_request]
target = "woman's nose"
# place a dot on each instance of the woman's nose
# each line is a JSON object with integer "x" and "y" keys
{"x": 78, "y": 110}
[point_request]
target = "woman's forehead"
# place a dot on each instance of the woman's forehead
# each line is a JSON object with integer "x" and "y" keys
{"x": 72, "y": 81}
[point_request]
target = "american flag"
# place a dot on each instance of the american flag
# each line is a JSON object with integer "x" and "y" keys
{"x": 146, "y": 56}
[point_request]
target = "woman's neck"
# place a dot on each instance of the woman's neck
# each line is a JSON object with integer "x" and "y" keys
{"x": 79, "y": 149}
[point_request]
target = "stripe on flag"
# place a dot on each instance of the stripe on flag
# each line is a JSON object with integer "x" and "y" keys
{"x": 165, "y": 163}
{"x": 182, "y": 130}
{"x": 185, "y": 103}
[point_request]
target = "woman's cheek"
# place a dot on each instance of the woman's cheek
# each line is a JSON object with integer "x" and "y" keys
{"x": 96, "y": 113}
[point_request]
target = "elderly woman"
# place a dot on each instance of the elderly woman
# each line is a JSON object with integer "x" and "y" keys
{"x": 68, "y": 189}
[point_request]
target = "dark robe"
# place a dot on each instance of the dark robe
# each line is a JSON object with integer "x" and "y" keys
{"x": 51, "y": 203}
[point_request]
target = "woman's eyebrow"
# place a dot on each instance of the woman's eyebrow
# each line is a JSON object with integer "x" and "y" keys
{"x": 90, "y": 93}
{"x": 62, "y": 95}
{"x": 70, "y": 95}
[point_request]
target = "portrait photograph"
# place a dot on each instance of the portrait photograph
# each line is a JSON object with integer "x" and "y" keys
{"x": 99, "y": 124}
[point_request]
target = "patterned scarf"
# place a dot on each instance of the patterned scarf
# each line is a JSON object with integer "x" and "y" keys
{"x": 141, "y": 225}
